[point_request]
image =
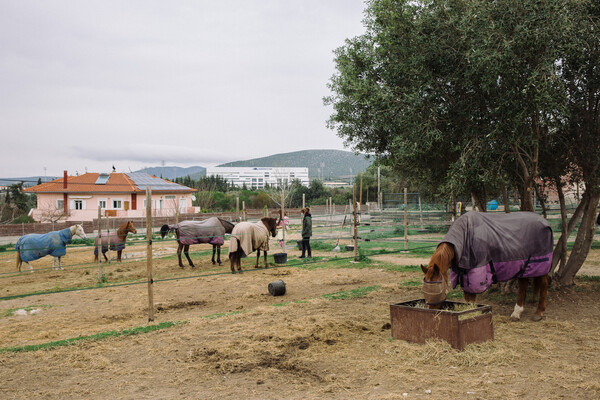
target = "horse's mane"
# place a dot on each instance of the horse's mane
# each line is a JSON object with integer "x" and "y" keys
{"x": 442, "y": 257}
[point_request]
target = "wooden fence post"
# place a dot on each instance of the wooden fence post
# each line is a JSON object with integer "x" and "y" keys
{"x": 354, "y": 229}
{"x": 405, "y": 219}
{"x": 99, "y": 245}
{"x": 149, "y": 253}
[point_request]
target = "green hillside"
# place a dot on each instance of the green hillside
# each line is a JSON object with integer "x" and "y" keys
{"x": 325, "y": 164}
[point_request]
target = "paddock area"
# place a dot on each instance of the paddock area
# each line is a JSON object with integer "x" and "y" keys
{"x": 224, "y": 336}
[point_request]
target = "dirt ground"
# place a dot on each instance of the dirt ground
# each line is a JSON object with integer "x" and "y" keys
{"x": 237, "y": 341}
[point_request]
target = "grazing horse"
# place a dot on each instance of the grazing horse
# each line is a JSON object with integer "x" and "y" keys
{"x": 33, "y": 246}
{"x": 481, "y": 248}
{"x": 211, "y": 230}
{"x": 247, "y": 237}
{"x": 116, "y": 241}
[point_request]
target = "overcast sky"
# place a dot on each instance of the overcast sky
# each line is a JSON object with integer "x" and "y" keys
{"x": 88, "y": 84}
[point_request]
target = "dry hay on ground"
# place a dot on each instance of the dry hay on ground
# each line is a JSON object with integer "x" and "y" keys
{"x": 240, "y": 342}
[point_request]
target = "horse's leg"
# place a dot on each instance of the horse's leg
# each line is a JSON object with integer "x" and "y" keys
{"x": 30, "y": 267}
{"x": 119, "y": 255}
{"x": 265, "y": 259}
{"x": 470, "y": 297}
{"x": 179, "y": 248}
{"x": 257, "y": 258}
{"x": 540, "y": 286}
{"x": 186, "y": 251}
{"x": 214, "y": 247}
{"x": 219, "y": 255}
{"x": 59, "y": 264}
{"x": 520, "y": 306}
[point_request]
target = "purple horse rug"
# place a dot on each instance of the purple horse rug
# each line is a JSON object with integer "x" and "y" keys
{"x": 116, "y": 244}
{"x": 492, "y": 248}
{"x": 209, "y": 231}
{"x": 35, "y": 246}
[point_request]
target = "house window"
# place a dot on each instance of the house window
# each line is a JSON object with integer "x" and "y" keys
{"x": 291, "y": 175}
{"x": 102, "y": 204}
{"x": 78, "y": 204}
{"x": 60, "y": 204}
{"x": 117, "y": 204}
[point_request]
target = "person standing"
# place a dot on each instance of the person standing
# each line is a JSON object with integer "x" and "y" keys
{"x": 306, "y": 232}
{"x": 281, "y": 226}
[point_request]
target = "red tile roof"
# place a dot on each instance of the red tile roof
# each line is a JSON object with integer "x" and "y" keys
{"x": 86, "y": 183}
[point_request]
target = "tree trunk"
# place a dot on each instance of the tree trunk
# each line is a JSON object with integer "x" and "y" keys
{"x": 540, "y": 196}
{"x": 505, "y": 197}
{"x": 560, "y": 251}
{"x": 583, "y": 240}
{"x": 478, "y": 202}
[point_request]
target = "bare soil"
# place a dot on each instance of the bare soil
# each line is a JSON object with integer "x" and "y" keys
{"x": 239, "y": 342}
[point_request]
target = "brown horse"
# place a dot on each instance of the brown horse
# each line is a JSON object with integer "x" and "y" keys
{"x": 481, "y": 249}
{"x": 247, "y": 237}
{"x": 116, "y": 241}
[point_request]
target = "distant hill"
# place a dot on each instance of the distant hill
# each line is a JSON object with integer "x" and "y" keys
{"x": 27, "y": 181}
{"x": 175, "y": 172}
{"x": 324, "y": 164}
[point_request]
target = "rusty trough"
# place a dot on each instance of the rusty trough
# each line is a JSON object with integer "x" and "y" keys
{"x": 414, "y": 322}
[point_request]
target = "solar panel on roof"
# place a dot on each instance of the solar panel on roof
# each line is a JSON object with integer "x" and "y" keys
{"x": 143, "y": 180}
{"x": 102, "y": 179}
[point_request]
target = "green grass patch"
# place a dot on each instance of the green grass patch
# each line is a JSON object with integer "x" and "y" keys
{"x": 411, "y": 283}
{"x": 588, "y": 278}
{"x": 220, "y": 315}
{"x": 352, "y": 293}
{"x": 98, "y": 336}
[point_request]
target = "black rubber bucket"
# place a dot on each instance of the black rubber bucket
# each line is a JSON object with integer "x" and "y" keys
{"x": 299, "y": 243}
{"x": 277, "y": 288}
{"x": 349, "y": 248}
{"x": 280, "y": 258}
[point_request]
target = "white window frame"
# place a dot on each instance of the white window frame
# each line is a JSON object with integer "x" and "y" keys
{"x": 100, "y": 201}
{"x": 78, "y": 204}
{"x": 114, "y": 204}
{"x": 60, "y": 204}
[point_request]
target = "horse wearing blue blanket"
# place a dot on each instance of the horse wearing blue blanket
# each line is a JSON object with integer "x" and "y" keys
{"x": 34, "y": 246}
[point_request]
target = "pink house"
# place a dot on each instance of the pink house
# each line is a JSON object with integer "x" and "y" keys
{"x": 77, "y": 198}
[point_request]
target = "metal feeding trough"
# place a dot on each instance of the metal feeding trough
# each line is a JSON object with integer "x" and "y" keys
{"x": 414, "y": 322}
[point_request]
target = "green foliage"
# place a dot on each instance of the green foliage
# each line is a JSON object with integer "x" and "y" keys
{"x": 23, "y": 219}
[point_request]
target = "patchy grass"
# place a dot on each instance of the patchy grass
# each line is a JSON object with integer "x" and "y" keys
{"x": 98, "y": 336}
{"x": 351, "y": 294}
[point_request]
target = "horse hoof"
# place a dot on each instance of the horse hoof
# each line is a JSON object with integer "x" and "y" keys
{"x": 514, "y": 319}
{"x": 536, "y": 317}
{"x": 220, "y": 264}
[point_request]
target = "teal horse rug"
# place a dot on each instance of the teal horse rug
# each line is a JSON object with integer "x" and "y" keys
{"x": 35, "y": 246}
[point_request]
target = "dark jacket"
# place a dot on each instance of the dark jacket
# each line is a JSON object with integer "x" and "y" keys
{"x": 307, "y": 226}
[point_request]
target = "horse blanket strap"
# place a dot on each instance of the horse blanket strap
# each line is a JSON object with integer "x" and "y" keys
{"x": 520, "y": 243}
{"x": 250, "y": 237}
{"x": 35, "y": 246}
{"x": 195, "y": 232}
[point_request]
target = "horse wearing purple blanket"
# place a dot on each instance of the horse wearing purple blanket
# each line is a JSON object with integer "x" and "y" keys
{"x": 115, "y": 240}
{"x": 484, "y": 248}
{"x": 211, "y": 231}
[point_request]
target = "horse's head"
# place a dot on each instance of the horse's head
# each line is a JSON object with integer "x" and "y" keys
{"x": 271, "y": 224}
{"x": 77, "y": 230}
{"x": 436, "y": 280}
{"x": 163, "y": 231}
{"x": 130, "y": 228}
{"x": 227, "y": 225}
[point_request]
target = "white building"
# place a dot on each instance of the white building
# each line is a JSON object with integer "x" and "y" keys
{"x": 258, "y": 177}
